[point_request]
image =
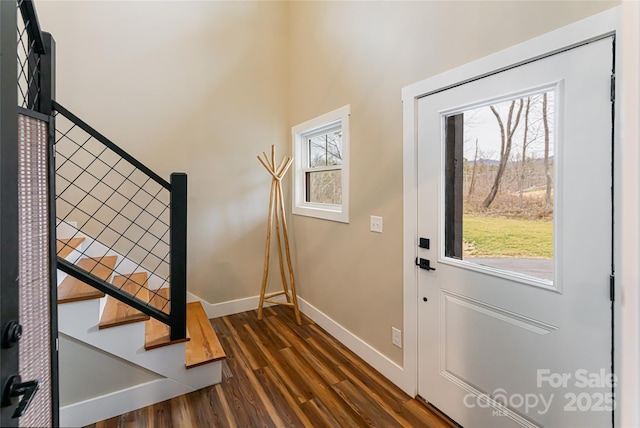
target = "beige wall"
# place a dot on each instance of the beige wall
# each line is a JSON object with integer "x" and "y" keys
{"x": 195, "y": 87}
{"x": 363, "y": 53}
{"x": 202, "y": 87}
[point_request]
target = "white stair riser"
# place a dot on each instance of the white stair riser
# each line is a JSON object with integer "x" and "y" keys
{"x": 80, "y": 316}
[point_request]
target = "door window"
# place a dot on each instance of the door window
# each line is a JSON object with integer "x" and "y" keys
{"x": 499, "y": 185}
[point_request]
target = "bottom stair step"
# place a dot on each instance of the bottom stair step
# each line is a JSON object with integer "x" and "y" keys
{"x": 156, "y": 333}
{"x": 204, "y": 346}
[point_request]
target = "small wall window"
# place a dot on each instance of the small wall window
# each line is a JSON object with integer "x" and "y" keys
{"x": 321, "y": 166}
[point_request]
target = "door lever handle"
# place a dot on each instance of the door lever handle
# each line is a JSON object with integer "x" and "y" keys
{"x": 424, "y": 264}
{"x": 14, "y": 388}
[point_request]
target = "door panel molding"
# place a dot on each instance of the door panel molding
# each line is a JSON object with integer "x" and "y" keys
{"x": 518, "y": 320}
{"x": 482, "y": 398}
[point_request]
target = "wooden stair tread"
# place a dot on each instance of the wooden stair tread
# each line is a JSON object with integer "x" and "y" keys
{"x": 118, "y": 313}
{"x": 73, "y": 290}
{"x": 156, "y": 333}
{"x": 64, "y": 247}
{"x": 204, "y": 346}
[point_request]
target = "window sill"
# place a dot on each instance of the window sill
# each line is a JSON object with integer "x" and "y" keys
{"x": 322, "y": 212}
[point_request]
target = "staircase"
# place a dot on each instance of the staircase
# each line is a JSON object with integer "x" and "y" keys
{"x": 90, "y": 316}
{"x": 121, "y": 244}
{"x": 121, "y": 253}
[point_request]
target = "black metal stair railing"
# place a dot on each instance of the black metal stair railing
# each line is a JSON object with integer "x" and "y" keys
{"x": 124, "y": 209}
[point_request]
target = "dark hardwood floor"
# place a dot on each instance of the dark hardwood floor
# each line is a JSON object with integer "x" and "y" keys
{"x": 279, "y": 374}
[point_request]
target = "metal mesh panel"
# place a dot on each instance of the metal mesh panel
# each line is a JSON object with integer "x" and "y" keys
{"x": 35, "y": 345}
{"x": 124, "y": 211}
{"x": 28, "y": 67}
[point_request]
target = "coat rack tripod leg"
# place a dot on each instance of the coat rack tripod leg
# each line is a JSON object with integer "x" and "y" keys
{"x": 280, "y": 261}
{"x": 285, "y": 233}
{"x": 265, "y": 275}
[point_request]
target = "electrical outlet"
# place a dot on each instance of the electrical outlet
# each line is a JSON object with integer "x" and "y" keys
{"x": 376, "y": 224}
{"x": 396, "y": 337}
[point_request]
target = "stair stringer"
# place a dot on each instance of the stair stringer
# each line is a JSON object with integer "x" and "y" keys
{"x": 80, "y": 321}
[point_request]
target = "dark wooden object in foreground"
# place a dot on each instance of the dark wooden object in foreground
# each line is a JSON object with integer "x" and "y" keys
{"x": 279, "y": 374}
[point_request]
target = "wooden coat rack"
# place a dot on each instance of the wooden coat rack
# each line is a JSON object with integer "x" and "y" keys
{"x": 276, "y": 212}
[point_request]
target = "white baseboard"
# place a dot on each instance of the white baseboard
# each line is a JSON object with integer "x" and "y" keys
{"x": 216, "y": 310}
{"x": 119, "y": 402}
{"x": 373, "y": 357}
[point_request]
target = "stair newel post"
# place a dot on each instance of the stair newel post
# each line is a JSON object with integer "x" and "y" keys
{"x": 178, "y": 255}
{"x": 48, "y": 75}
{"x": 47, "y": 95}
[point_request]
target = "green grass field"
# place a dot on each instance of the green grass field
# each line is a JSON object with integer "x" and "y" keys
{"x": 500, "y": 237}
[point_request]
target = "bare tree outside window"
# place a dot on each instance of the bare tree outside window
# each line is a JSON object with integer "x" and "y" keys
{"x": 508, "y": 158}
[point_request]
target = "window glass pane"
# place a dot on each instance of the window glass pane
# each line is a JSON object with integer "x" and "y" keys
{"x": 334, "y": 148}
{"x": 318, "y": 151}
{"x": 324, "y": 187}
{"x": 325, "y": 149}
{"x": 499, "y": 185}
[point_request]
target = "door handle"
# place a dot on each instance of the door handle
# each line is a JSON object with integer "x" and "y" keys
{"x": 11, "y": 334}
{"x": 14, "y": 388}
{"x": 424, "y": 264}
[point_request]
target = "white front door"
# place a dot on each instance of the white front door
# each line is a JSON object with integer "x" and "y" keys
{"x": 515, "y": 320}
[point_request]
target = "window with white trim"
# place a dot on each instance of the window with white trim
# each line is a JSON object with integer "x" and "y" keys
{"x": 321, "y": 166}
